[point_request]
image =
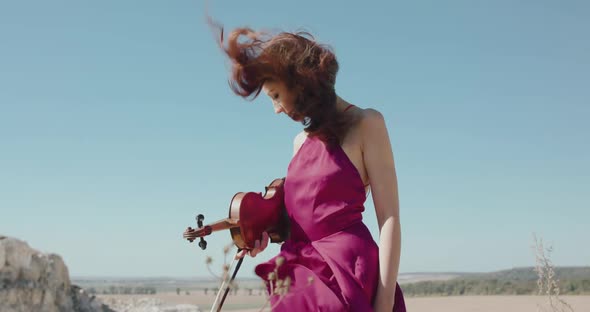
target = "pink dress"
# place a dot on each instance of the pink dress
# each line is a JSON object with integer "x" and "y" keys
{"x": 329, "y": 243}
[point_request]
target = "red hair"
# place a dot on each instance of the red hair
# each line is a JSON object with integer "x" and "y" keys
{"x": 307, "y": 68}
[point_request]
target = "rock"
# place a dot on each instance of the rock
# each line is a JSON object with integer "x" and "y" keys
{"x": 35, "y": 281}
{"x": 18, "y": 253}
{"x": 2, "y": 255}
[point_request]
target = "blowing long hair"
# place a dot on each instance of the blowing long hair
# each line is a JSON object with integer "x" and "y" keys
{"x": 305, "y": 66}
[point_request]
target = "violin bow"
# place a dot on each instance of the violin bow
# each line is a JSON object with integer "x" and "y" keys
{"x": 226, "y": 285}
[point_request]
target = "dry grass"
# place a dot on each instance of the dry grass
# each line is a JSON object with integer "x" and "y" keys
{"x": 547, "y": 283}
{"x": 279, "y": 286}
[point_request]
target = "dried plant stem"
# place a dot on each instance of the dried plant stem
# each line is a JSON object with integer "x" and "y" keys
{"x": 280, "y": 287}
{"x": 547, "y": 283}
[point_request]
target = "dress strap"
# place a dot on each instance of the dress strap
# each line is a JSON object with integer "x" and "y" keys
{"x": 349, "y": 106}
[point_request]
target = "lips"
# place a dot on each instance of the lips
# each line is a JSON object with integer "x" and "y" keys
{"x": 295, "y": 117}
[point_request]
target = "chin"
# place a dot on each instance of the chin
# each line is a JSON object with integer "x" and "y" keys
{"x": 295, "y": 116}
{"x": 296, "y": 119}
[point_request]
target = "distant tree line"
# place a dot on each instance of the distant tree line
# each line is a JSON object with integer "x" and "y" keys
{"x": 124, "y": 290}
{"x": 234, "y": 291}
{"x": 459, "y": 287}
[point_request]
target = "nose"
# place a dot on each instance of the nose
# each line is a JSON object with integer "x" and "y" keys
{"x": 278, "y": 108}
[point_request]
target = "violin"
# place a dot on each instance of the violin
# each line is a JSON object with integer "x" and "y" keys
{"x": 250, "y": 214}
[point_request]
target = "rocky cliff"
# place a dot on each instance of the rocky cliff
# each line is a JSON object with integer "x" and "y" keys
{"x": 34, "y": 281}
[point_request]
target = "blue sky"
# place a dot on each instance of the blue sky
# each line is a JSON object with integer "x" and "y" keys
{"x": 117, "y": 126}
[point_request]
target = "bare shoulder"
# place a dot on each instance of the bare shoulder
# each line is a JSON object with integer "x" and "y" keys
{"x": 370, "y": 120}
{"x": 371, "y": 127}
{"x": 370, "y": 116}
{"x": 298, "y": 141}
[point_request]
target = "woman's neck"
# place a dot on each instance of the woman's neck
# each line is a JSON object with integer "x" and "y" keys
{"x": 341, "y": 104}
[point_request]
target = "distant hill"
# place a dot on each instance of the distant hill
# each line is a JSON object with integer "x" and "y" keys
{"x": 529, "y": 274}
{"x": 516, "y": 281}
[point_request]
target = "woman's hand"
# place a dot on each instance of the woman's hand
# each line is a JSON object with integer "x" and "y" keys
{"x": 259, "y": 246}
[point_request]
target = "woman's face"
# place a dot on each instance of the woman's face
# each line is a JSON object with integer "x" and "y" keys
{"x": 283, "y": 99}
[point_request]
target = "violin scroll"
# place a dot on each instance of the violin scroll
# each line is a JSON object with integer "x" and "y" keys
{"x": 190, "y": 234}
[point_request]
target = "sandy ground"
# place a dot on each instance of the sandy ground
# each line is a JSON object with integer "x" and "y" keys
{"x": 490, "y": 303}
{"x": 245, "y": 303}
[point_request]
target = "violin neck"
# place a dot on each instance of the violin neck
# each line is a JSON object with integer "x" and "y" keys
{"x": 223, "y": 224}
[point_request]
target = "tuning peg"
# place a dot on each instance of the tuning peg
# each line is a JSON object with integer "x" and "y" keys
{"x": 200, "y": 219}
{"x": 203, "y": 243}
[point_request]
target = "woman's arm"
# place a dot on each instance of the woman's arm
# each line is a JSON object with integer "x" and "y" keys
{"x": 378, "y": 160}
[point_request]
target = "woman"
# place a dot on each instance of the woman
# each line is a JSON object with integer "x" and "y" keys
{"x": 330, "y": 261}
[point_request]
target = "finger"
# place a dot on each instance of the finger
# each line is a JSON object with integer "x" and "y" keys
{"x": 256, "y": 249}
{"x": 241, "y": 254}
{"x": 264, "y": 241}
